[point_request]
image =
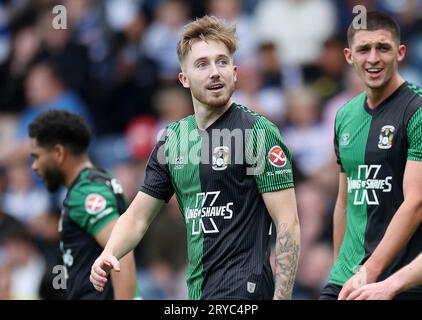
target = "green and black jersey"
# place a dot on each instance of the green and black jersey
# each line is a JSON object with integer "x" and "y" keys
{"x": 372, "y": 148}
{"x": 218, "y": 175}
{"x": 94, "y": 199}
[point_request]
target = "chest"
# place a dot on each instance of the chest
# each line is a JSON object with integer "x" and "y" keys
{"x": 379, "y": 139}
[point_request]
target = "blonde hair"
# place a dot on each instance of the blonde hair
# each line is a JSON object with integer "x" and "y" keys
{"x": 207, "y": 28}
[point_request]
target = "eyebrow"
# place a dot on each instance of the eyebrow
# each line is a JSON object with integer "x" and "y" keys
{"x": 367, "y": 45}
{"x": 207, "y": 58}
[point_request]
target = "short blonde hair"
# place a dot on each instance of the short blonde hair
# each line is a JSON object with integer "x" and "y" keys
{"x": 207, "y": 28}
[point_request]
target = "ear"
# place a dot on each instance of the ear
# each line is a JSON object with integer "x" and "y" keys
{"x": 235, "y": 73}
{"x": 348, "y": 55}
{"x": 183, "y": 80}
{"x": 59, "y": 152}
{"x": 401, "y": 53}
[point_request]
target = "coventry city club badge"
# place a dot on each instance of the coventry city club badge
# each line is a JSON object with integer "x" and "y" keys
{"x": 220, "y": 158}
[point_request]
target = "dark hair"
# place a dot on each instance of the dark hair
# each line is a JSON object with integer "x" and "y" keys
{"x": 376, "y": 20}
{"x": 61, "y": 127}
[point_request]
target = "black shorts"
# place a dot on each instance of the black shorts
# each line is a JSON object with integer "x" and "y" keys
{"x": 330, "y": 292}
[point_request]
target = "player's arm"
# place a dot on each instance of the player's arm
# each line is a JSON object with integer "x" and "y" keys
{"x": 406, "y": 278}
{"x": 124, "y": 283}
{"x": 340, "y": 214}
{"x": 127, "y": 232}
{"x": 282, "y": 207}
{"x": 401, "y": 228}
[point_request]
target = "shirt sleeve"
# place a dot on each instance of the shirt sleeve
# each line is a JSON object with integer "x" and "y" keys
{"x": 157, "y": 182}
{"x": 92, "y": 206}
{"x": 336, "y": 147}
{"x": 414, "y": 136}
{"x": 268, "y": 158}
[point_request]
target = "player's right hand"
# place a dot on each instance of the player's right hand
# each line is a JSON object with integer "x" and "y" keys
{"x": 101, "y": 269}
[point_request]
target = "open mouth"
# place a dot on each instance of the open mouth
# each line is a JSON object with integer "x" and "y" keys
{"x": 215, "y": 87}
{"x": 374, "y": 71}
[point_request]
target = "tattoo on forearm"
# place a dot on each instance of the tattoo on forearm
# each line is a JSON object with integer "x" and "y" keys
{"x": 286, "y": 260}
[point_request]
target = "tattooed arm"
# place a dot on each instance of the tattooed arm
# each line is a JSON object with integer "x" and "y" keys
{"x": 282, "y": 207}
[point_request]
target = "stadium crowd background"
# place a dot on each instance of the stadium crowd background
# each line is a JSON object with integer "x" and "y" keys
{"x": 116, "y": 64}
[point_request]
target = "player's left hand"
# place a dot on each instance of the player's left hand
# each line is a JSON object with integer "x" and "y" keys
{"x": 359, "y": 279}
{"x": 374, "y": 291}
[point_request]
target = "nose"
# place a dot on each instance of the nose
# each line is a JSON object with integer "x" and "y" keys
{"x": 214, "y": 72}
{"x": 373, "y": 57}
{"x": 34, "y": 166}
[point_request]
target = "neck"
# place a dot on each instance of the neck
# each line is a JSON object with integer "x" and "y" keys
{"x": 74, "y": 168}
{"x": 378, "y": 95}
{"x": 206, "y": 115}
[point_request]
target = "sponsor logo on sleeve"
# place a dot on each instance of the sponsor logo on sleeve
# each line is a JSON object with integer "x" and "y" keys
{"x": 276, "y": 157}
{"x": 95, "y": 203}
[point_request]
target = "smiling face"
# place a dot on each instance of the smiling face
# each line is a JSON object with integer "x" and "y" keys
{"x": 209, "y": 72}
{"x": 375, "y": 56}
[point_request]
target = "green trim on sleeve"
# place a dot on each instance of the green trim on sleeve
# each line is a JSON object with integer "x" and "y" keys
{"x": 414, "y": 136}
{"x": 269, "y": 157}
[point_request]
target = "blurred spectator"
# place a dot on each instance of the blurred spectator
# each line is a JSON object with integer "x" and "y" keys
{"x": 22, "y": 259}
{"x": 326, "y": 75}
{"x": 164, "y": 255}
{"x": 134, "y": 77}
{"x": 232, "y": 12}
{"x": 162, "y": 36}
{"x": 45, "y": 89}
{"x": 22, "y": 199}
{"x": 316, "y": 253}
{"x": 297, "y": 27}
{"x": 8, "y": 128}
{"x": 172, "y": 103}
{"x": 353, "y": 86}
{"x": 304, "y": 131}
{"x": 270, "y": 65}
{"x": 267, "y": 101}
{"x": 25, "y": 46}
{"x": 69, "y": 58}
{"x": 5, "y": 282}
{"x": 86, "y": 19}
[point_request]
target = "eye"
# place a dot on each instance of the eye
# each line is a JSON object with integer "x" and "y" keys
{"x": 201, "y": 65}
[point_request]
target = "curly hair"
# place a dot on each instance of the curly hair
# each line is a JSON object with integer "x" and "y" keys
{"x": 61, "y": 127}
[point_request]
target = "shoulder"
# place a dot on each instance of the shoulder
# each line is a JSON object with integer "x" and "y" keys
{"x": 415, "y": 103}
{"x": 175, "y": 125}
{"x": 92, "y": 185}
{"x": 253, "y": 119}
{"x": 351, "y": 105}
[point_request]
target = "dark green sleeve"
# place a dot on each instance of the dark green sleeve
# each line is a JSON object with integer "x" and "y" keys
{"x": 92, "y": 205}
{"x": 336, "y": 143}
{"x": 268, "y": 157}
{"x": 414, "y": 136}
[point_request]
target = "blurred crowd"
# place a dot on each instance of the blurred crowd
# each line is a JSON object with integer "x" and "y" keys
{"x": 116, "y": 64}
